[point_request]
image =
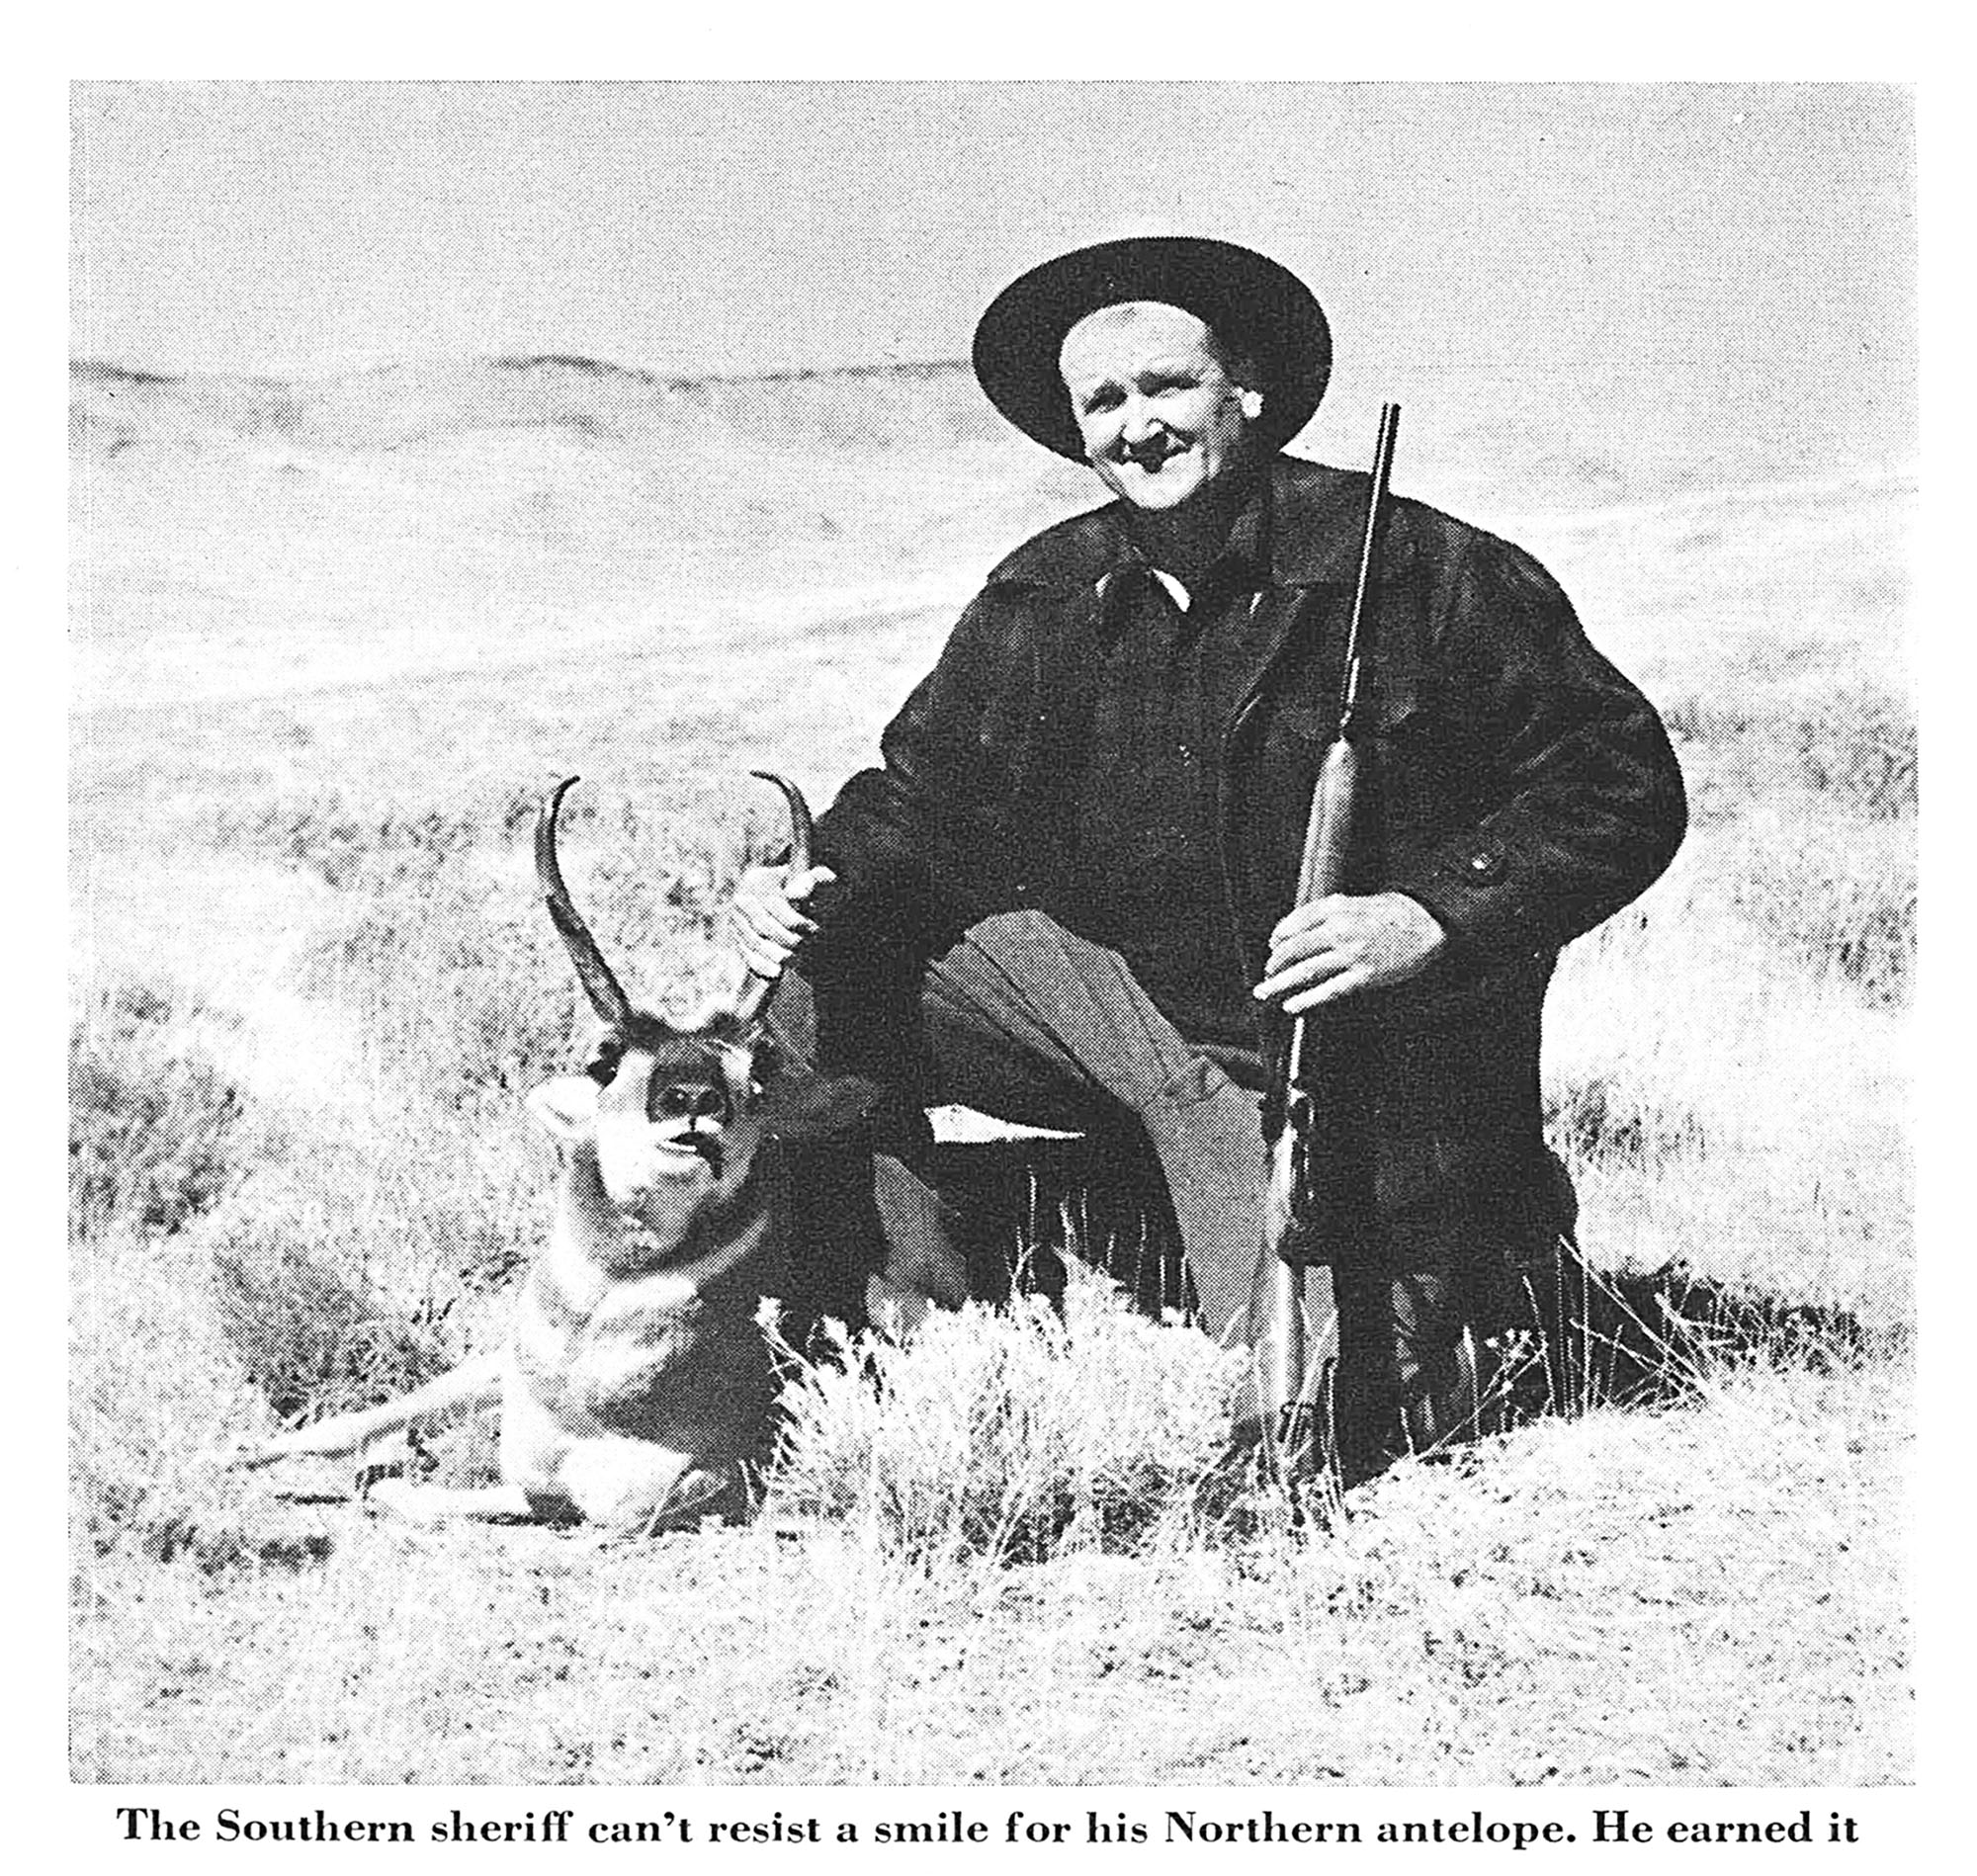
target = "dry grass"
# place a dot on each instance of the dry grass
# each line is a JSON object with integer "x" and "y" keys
{"x": 1609, "y": 1600}
{"x": 994, "y": 1555}
{"x": 313, "y": 984}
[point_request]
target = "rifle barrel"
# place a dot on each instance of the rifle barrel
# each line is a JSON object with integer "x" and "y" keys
{"x": 1370, "y": 548}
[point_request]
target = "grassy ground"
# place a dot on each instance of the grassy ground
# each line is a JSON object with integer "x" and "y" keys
{"x": 312, "y": 984}
{"x": 1691, "y": 1597}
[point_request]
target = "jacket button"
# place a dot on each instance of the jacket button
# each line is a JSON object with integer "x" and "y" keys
{"x": 1486, "y": 863}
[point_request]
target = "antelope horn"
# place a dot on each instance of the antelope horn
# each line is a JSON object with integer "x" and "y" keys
{"x": 755, "y": 994}
{"x": 606, "y": 994}
{"x": 802, "y": 829}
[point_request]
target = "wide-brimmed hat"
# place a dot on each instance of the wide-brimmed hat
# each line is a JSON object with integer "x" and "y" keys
{"x": 1256, "y": 308}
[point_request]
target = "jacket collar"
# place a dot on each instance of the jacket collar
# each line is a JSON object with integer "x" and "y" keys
{"x": 1299, "y": 528}
{"x": 1243, "y": 566}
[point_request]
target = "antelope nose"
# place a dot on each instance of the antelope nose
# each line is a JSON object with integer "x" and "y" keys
{"x": 690, "y": 1100}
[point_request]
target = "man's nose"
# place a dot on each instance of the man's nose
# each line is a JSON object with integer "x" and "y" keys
{"x": 1139, "y": 420}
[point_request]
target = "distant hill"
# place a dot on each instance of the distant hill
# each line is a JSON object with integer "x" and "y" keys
{"x": 1496, "y": 448}
{"x": 239, "y": 533}
{"x": 929, "y": 407}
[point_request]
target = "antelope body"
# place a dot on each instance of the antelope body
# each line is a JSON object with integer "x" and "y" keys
{"x": 636, "y": 1383}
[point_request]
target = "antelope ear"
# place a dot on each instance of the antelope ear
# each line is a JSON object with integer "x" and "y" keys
{"x": 566, "y": 1108}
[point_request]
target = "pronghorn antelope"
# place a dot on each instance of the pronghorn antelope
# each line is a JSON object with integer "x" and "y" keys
{"x": 635, "y": 1384}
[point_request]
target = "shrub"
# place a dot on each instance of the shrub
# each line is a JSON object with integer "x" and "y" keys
{"x": 308, "y": 1337}
{"x": 1855, "y": 753}
{"x": 346, "y": 846}
{"x": 155, "y": 1131}
{"x": 1844, "y": 906}
{"x": 1011, "y": 1434}
{"x": 1860, "y": 752}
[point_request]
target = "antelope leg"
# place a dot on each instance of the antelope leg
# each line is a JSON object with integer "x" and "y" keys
{"x": 474, "y": 1381}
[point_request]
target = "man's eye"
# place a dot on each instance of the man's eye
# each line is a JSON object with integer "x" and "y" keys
{"x": 1099, "y": 400}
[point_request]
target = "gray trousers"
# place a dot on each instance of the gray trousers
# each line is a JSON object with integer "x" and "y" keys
{"x": 1026, "y": 1021}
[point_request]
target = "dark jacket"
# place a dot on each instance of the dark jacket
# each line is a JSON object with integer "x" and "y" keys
{"x": 1518, "y": 784}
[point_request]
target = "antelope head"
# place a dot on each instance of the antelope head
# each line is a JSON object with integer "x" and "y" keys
{"x": 672, "y": 1115}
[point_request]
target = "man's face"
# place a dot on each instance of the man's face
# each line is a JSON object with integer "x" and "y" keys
{"x": 1160, "y": 417}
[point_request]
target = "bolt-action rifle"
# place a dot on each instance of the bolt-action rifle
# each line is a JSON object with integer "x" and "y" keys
{"x": 1322, "y": 871}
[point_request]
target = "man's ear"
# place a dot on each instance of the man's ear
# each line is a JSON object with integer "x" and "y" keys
{"x": 566, "y": 1108}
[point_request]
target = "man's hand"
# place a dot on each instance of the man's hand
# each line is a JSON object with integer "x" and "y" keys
{"x": 1338, "y": 946}
{"x": 766, "y": 918}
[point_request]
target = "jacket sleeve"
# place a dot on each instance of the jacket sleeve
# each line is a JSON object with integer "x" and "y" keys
{"x": 1580, "y": 801}
{"x": 895, "y": 832}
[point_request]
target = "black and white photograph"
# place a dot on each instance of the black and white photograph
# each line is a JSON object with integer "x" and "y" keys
{"x": 992, "y": 935}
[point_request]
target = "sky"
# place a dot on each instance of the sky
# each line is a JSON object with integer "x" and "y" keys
{"x": 1744, "y": 253}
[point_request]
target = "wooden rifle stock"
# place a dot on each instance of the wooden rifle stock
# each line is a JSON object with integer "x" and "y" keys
{"x": 1327, "y": 835}
{"x": 1320, "y": 873}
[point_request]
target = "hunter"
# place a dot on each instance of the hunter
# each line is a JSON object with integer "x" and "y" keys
{"x": 1065, "y": 897}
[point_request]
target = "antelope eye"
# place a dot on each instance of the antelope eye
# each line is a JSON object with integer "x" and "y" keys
{"x": 677, "y": 1100}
